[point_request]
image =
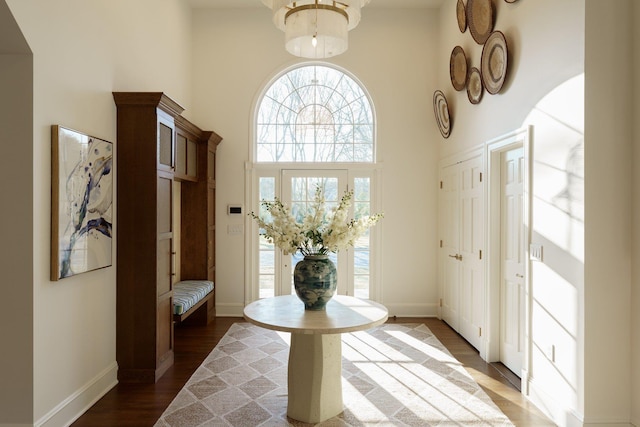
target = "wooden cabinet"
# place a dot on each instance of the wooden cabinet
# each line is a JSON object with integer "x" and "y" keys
{"x": 157, "y": 150}
{"x": 186, "y": 167}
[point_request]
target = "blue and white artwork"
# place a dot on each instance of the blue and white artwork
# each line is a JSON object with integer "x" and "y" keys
{"x": 82, "y": 198}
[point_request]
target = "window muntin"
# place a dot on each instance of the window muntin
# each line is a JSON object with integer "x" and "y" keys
{"x": 315, "y": 113}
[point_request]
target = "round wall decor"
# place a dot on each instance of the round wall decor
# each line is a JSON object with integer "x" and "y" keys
{"x": 480, "y": 19}
{"x": 494, "y": 62}
{"x": 474, "y": 86}
{"x": 441, "y": 110}
{"x": 461, "y": 14}
{"x": 458, "y": 68}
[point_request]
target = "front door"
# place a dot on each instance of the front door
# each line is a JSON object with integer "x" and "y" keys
{"x": 296, "y": 188}
{"x": 298, "y": 191}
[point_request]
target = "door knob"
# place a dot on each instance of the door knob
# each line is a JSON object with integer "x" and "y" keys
{"x": 456, "y": 256}
{"x": 520, "y": 276}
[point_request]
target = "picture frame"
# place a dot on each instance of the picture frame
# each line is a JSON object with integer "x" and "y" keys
{"x": 81, "y": 202}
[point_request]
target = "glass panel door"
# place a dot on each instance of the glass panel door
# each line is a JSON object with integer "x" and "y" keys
{"x": 298, "y": 191}
{"x": 296, "y": 188}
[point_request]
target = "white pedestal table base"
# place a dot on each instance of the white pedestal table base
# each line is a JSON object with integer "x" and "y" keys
{"x": 315, "y": 377}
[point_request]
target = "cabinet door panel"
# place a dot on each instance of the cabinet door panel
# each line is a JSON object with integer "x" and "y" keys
{"x": 165, "y": 145}
{"x": 164, "y": 330}
{"x": 181, "y": 154}
{"x": 192, "y": 159}
{"x": 165, "y": 198}
{"x": 164, "y": 266}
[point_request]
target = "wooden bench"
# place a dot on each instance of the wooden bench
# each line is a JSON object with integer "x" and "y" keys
{"x": 201, "y": 306}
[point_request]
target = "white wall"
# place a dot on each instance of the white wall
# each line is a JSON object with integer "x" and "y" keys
{"x": 581, "y": 319}
{"x": 236, "y": 52}
{"x": 82, "y": 51}
{"x": 608, "y": 144}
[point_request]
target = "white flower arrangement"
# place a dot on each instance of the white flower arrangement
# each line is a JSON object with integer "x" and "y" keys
{"x": 320, "y": 232}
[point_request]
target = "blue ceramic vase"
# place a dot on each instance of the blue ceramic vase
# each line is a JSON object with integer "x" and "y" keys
{"x": 315, "y": 280}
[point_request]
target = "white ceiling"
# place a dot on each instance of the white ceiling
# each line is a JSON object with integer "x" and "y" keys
{"x": 221, "y": 4}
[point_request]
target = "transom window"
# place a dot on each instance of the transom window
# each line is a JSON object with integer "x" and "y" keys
{"x": 315, "y": 113}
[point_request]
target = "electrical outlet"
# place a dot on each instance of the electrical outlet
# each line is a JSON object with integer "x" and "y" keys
{"x": 235, "y": 229}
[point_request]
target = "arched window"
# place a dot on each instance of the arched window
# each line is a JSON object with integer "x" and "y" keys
{"x": 314, "y": 125}
{"x": 315, "y": 113}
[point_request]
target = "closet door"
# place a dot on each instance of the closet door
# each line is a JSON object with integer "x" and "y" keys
{"x": 449, "y": 243}
{"x": 462, "y": 243}
{"x": 471, "y": 225}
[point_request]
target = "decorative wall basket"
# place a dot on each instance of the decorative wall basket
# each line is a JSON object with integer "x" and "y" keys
{"x": 480, "y": 19}
{"x": 461, "y": 15}
{"x": 494, "y": 62}
{"x": 474, "y": 86}
{"x": 458, "y": 68}
{"x": 441, "y": 109}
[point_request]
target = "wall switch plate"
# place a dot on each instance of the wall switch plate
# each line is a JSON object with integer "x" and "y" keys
{"x": 235, "y": 229}
{"x": 535, "y": 252}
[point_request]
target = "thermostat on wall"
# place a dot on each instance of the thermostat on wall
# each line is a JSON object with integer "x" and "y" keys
{"x": 234, "y": 210}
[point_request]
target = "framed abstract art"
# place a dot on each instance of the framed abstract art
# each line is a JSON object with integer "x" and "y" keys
{"x": 81, "y": 202}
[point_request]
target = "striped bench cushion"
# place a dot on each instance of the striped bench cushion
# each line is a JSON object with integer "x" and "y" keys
{"x": 187, "y": 293}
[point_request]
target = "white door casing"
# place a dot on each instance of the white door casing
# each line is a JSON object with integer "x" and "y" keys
{"x": 519, "y": 287}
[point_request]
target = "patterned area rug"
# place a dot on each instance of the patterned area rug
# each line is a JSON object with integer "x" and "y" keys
{"x": 392, "y": 375}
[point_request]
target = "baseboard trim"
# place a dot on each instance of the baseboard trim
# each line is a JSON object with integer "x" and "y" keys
{"x": 70, "y": 409}
{"x": 229, "y": 310}
{"x": 412, "y": 310}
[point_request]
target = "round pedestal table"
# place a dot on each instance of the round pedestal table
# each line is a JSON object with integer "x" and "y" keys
{"x": 315, "y": 356}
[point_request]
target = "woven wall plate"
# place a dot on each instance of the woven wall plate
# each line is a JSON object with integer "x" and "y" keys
{"x": 461, "y": 14}
{"x": 458, "y": 68}
{"x": 480, "y": 19}
{"x": 441, "y": 110}
{"x": 494, "y": 62}
{"x": 474, "y": 86}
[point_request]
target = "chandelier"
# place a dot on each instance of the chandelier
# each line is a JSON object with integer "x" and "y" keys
{"x": 316, "y": 28}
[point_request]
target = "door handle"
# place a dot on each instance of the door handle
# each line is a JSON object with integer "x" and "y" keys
{"x": 456, "y": 256}
{"x": 520, "y": 276}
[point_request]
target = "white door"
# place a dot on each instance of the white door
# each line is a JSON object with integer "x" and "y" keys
{"x": 462, "y": 219}
{"x": 472, "y": 282}
{"x": 512, "y": 255}
{"x": 450, "y": 242}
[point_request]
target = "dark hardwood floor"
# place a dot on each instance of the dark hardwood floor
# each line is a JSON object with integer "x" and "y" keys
{"x": 139, "y": 405}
